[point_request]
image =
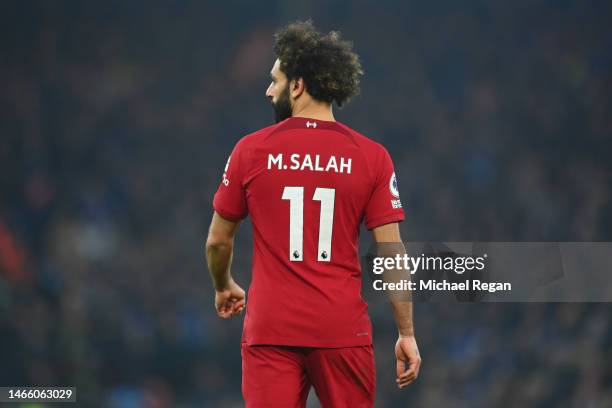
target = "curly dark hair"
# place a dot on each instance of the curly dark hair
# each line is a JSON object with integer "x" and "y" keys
{"x": 330, "y": 68}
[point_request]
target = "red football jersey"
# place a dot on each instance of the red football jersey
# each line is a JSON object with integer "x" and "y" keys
{"x": 307, "y": 185}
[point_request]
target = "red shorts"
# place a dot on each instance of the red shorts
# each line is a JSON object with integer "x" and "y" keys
{"x": 281, "y": 376}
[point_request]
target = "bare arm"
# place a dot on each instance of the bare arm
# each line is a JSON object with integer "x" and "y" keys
{"x": 402, "y": 310}
{"x": 406, "y": 349}
{"x": 229, "y": 297}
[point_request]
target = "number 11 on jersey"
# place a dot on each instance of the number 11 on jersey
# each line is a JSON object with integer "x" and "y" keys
{"x": 326, "y": 196}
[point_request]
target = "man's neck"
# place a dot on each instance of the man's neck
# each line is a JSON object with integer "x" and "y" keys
{"x": 314, "y": 110}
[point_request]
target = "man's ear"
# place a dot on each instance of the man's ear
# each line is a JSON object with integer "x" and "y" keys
{"x": 296, "y": 87}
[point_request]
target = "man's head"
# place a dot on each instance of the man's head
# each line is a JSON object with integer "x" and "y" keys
{"x": 311, "y": 67}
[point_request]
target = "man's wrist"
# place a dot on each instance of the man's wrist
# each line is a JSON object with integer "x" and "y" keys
{"x": 223, "y": 285}
{"x": 403, "y": 333}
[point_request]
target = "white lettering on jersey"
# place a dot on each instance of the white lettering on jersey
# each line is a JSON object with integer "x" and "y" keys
{"x": 345, "y": 165}
{"x": 331, "y": 164}
{"x": 307, "y": 162}
{"x": 310, "y": 162}
{"x": 317, "y": 167}
{"x": 295, "y": 161}
{"x": 278, "y": 160}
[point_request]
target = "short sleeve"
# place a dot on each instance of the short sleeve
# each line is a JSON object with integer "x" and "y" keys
{"x": 384, "y": 205}
{"x": 230, "y": 198}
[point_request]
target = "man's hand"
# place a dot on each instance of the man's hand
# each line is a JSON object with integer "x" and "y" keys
{"x": 230, "y": 301}
{"x": 408, "y": 360}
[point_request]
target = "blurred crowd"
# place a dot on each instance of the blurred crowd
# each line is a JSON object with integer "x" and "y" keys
{"x": 116, "y": 119}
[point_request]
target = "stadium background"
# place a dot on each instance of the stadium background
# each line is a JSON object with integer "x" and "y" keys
{"x": 117, "y": 119}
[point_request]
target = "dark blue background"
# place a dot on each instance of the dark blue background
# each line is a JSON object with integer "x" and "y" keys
{"x": 116, "y": 119}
